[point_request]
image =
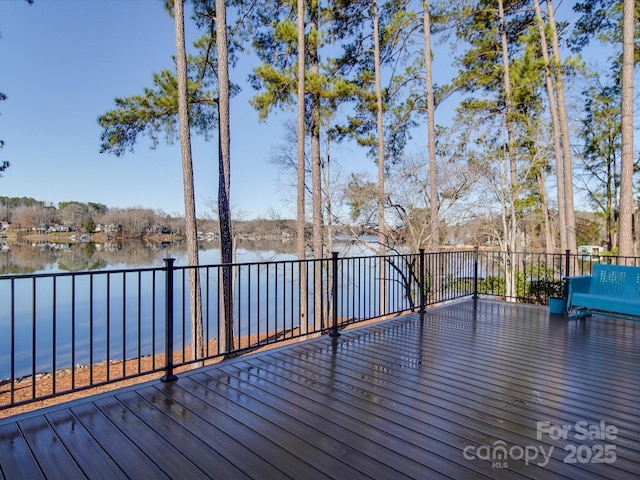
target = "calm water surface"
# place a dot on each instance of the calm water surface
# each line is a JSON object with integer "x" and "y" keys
{"x": 48, "y": 324}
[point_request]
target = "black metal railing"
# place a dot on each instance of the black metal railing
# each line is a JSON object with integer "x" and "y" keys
{"x": 64, "y": 332}
{"x": 534, "y": 277}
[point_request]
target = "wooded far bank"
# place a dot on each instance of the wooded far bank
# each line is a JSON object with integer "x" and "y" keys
{"x": 39, "y": 220}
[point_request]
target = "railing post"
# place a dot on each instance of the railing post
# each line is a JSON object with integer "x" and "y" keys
{"x": 168, "y": 321}
{"x": 334, "y": 294}
{"x": 475, "y": 272}
{"x": 421, "y": 280}
{"x": 567, "y": 262}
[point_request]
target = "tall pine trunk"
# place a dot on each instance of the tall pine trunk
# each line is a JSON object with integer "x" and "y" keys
{"x": 382, "y": 225}
{"x": 511, "y": 224}
{"x": 555, "y": 124}
{"x": 316, "y": 180}
{"x": 197, "y": 344}
{"x": 300, "y": 203}
{"x": 224, "y": 173}
{"x": 546, "y": 218}
{"x": 567, "y": 161}
{"x": 431, "y": 131}
{"x": 626, "y": 171}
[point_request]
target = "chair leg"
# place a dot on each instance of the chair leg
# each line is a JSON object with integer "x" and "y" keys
{"x": 578, "y": 314}
{"x": 582, "y": 313}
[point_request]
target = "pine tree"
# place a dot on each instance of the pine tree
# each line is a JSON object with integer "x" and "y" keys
{"x": 601, "y": 135}
{"x": 156, "y": 112}
{"x": 626, "y": 121}
{"x": 197, "y": 343}
{"x": 612, "y": 21}
{"x": 276, "y": 80}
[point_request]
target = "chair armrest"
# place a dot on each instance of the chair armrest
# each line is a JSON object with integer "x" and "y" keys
{"x": 580, "y": 283}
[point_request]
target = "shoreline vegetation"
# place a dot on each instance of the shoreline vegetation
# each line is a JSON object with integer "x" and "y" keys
{"x": 73, "y": 237}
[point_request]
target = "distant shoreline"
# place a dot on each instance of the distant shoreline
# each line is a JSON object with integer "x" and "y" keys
{"x": 74, "y": 237}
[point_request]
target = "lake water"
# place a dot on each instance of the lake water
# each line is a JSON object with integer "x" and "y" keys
{"x": 32, "y": 258}
{"x": 107, "y": 314}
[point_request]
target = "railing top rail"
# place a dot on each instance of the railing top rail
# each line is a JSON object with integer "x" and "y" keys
{"x": 23, "y": 276}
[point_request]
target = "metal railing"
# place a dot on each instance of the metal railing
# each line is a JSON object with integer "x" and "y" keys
{"x": 534, "y": 277}
{"x": 64, "y": 332}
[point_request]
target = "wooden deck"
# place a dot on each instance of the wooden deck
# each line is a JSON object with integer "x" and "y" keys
{"x": 394, "y": 400}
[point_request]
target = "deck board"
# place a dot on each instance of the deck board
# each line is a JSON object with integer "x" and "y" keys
{"x": 397, "y": 399}
{"x": 52, "y": 456}
{"x": 133, "y": 461}
{"x": 16, "y": 459}
{"x": 200, "y": 453}
{"x": 79, "y": 442}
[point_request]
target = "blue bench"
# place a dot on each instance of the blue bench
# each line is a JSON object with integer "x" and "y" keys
{"x": 610, "y": 289}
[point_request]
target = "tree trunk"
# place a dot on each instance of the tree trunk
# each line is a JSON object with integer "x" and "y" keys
{"x": 626, "y": 170}
{"x": 555, "y": 123}
{"x": 511, "y": 225}
{"x": 382, "y": 226}
{"x": 300, "y": 203}
{"x": 544, "y": 200}
{"x": 316, "y": 180}
{"x": 328, "y": 214}
{"x": 224, "y": 173}
{"x": 197, "y": 345}
{"x": 567, "y": 168}
{"x": 431, "y": 132}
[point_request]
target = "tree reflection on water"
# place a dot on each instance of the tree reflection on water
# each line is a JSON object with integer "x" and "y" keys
{"x": 29, "y": 258}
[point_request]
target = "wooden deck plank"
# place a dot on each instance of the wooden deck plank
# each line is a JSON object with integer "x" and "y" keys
{"x": 398, "y": 446}
{"x": 165, "y": 455}
{"x": 416, "y": 414}
{"x": 397, "y": 399}
{"x": 16, "y": 458}
{"x": 457, "y": 379}
{"x": 551, "y": 396}
{"x": 199, "y": 452}
{"x": 339, "y": 444}
{"x": 92, "y": 459}
{"x": 448, "y": 401}
{"x": 313, "y": 409}
{"x": 292, "y": 455}
{"x": 134, "y": 462}
{"x": 53, "y": 458}
{"x": 234, "y": 442}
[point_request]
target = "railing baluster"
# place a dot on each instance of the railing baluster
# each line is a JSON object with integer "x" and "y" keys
{"x": 108, "y": 367}
{"x": 183, "y": 323}
{"x": 91, "y": 329}
{"x": 334, "y": 293}
{"x": 33, "y": 341}
{"x": 54, "y": 335}
{"x": 13, "y": 341}
{"x": 73, "y": 332}
{"x": 124, "y": 324}
{"x": 421, "y": 283}
{"x": 139, "y": 321}
{"x": 206, "y": 313}
{"x": 259, "y": 303}
{"x": 267, "y": 306}
{"x": 153, "y": 320}
{"x": 168, "y": 321}
{"x": 475, "y": 272}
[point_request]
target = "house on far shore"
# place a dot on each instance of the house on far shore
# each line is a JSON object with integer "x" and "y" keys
{"x": 60, "y": 228}
{"x": 158, "y": 230}
{"x": 111, "y": 228}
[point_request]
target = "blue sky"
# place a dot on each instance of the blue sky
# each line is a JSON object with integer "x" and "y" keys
{"x": 63, "y": 63}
